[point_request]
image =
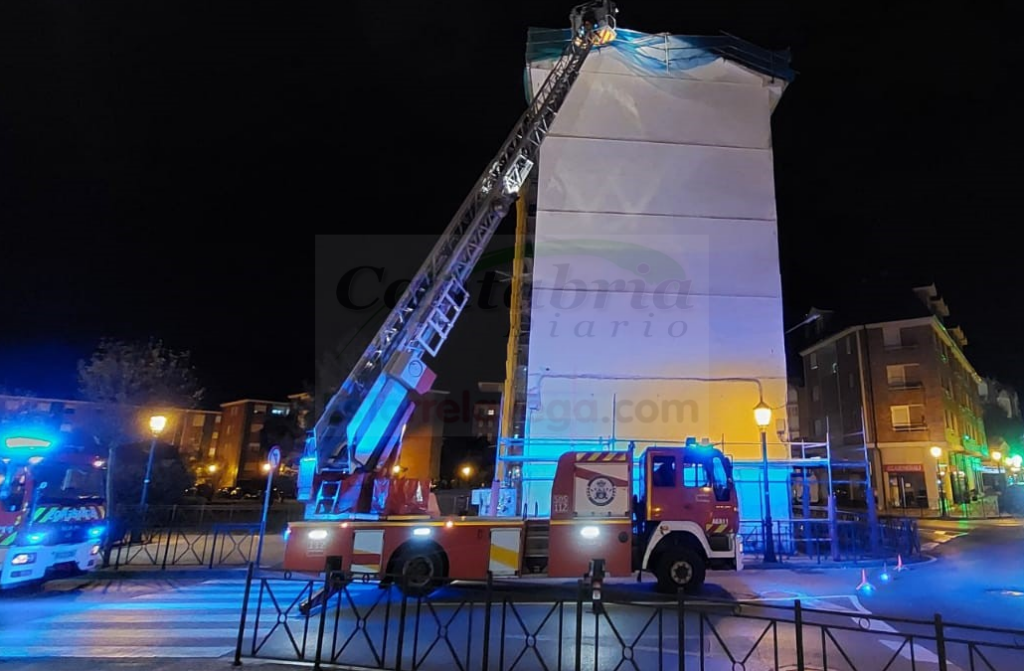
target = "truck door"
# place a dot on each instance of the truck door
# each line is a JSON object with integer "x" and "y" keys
{"x": 698, "y": 496}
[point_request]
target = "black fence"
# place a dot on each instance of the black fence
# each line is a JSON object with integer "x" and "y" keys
{"x": 200, "y": 536}
{"x": 848, "y": 538}
{"x": 507, "y": 625}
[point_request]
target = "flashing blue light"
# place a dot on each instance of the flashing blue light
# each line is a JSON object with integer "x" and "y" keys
{"x": 22, "y": 441}
{"x": 36, "y": 538}
{"x": 26, "y": 443}
{"x": 96, "y": 532}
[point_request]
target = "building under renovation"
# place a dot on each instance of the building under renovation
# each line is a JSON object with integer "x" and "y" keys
{"x": 647, "y": 270}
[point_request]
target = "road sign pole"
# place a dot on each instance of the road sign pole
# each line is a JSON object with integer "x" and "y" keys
{"x": 274, "y": 459}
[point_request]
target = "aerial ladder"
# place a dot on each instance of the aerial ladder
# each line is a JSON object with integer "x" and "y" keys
{"x": 357, "y": 439}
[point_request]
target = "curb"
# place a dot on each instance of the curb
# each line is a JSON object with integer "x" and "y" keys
{"x": 831, "y": 565}
{"x": 149, "y": 574}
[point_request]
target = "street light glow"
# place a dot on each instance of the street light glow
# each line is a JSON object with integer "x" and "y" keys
{"x": 466, "y": 471}
{"x": 936, "y": 451}
{"x": 762, "y": 415}
{"x": 212, "y": 468}
{"x": 266, "y": 468}
{"x": 157, "y": 423}
{"x": 996, "y": 456}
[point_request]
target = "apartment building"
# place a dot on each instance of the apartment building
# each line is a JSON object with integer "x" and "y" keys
{"x": 898, "y": 388}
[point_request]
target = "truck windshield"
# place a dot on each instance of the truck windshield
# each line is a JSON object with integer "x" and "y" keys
{"x": 12, "y": 487}
{"x": 721, "y": 479}
{"x": 68, "y": 482}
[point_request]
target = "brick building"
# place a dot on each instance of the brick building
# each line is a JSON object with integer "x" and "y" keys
{"x": 899, "y": 385}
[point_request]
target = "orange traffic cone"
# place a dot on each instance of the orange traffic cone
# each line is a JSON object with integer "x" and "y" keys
{"x": 864, "y": 584}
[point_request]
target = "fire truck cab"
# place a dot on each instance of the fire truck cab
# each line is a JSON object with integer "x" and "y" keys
{"x": 672, "y": 512}
{"x": 51, "y": 510}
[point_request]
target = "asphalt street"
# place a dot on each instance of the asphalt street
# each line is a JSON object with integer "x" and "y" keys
{"x": 973, "y": 580}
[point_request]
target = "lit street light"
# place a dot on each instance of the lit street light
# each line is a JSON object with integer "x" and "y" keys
{"x": 466, "y": 472}
{"x": 940, "y": 468}
{"x": 157, "y": 423}
{"x": 212, "y": 468}
{"x": 763, "y": 417}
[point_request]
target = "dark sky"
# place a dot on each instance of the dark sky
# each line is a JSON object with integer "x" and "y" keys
{"x": 164, "y": 165}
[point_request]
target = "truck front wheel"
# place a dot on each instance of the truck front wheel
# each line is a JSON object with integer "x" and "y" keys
{"x": 419, "y": 571}
{"x": 680, "y": 568}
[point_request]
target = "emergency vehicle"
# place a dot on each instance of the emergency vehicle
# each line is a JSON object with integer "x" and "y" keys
{"x": 52, "y": 509}
{"x": 676, "y": 516}
{"x": 672, "y": 511}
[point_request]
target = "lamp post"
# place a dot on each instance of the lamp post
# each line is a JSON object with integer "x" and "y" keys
{"x": 936, "y": 452}
{"x": 763, "y": 417}
{"x": 271, "y": 465}
{"x": 157, "y": 423}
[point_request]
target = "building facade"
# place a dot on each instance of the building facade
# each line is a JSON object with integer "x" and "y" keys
{"x": 655, "y": 282}
{"x": 898, "y": 389}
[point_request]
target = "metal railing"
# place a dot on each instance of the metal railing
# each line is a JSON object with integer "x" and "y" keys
{"x": 506, "y": 625}
{"x": 848, "y": 538}
{"x": 201, "y": 536}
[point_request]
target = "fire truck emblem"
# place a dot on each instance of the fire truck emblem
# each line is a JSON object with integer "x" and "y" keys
{"x": 600, "y": 491}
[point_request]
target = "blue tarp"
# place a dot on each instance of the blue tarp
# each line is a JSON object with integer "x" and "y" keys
{"x": 665, "y": 54}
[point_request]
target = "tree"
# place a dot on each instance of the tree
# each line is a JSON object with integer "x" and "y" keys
{"x": 139, "y": 373}
{"x": 1001, "y": 428}
{"x": 125, "y": 377}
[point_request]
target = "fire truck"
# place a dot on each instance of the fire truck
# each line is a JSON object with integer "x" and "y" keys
{"x": 52, "y": 510}
{"x": 672, "y": 511}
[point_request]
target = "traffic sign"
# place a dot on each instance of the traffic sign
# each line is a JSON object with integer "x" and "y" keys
{"x": 274, "y": 457}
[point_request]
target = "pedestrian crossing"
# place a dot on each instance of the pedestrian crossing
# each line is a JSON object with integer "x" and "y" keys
{"x": 198, "y": 620}
{"x": 939, "y": 537}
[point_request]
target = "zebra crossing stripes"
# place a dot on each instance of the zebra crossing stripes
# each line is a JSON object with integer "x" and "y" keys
{"x": 198, "y": 620}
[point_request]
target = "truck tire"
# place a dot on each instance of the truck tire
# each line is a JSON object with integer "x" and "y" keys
{"x": 420, "y": 571}
{"x": 680, "y": 568}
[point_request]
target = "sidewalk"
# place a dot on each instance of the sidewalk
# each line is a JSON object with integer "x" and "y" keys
{"x": 161, "y": 664}
{"x": 961, "y": 524}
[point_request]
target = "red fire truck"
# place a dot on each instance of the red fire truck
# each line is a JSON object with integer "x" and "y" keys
{"x": 51, "y": 509}
{"x": 676, "y": 517}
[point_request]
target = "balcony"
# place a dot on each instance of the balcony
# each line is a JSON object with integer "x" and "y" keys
{"x": 916, "y": 426}
{"x": 897, "y": 385}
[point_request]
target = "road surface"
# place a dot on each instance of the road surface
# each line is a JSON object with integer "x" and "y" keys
{"x": 194, "y": 619}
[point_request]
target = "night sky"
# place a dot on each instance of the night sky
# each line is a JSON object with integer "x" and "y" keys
{"x": 164, "y": 165}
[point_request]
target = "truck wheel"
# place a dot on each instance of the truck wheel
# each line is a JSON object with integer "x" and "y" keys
{"x": 680, "y": 567}
{"x": 421, "y": 572}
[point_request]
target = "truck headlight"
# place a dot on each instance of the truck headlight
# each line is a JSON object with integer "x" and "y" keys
{"x": 24, "y": 558}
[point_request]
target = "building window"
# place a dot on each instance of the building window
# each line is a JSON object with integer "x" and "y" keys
{"x": 212, "y": 453}
{"x": 813, "y": 358}
{"x": 198, "y": 420}
{"x": 891, "y": 336}
{"x": 818, "y": 427}
{"x": 815, "y": 393}
{"x": 849, "y": 347}
{"x": 215, "y": 435}
{"x": 490, "y": 412}
{"x": 907, "y": 417}
{"x": 904, "y": 375}
{"x": 278, "y": 410}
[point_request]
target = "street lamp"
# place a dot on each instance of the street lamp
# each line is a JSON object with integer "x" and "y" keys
{"x": 937, "y": 453}
{"x": 157, "y": 423}
{"x": 763, "y": 417}
{"x": 466, "y": 472}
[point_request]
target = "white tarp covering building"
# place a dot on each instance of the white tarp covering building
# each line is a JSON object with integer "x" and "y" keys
{"x": 656, "y": 305}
